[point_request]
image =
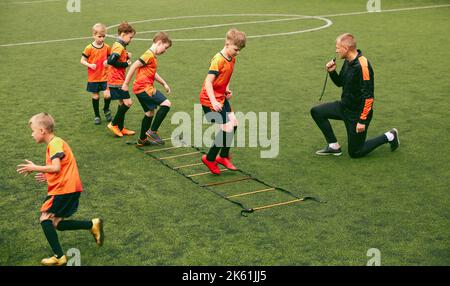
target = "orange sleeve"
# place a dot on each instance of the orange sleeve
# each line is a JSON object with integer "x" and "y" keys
{"x": 117, "y": 49}
{"x": 87, "y": 51}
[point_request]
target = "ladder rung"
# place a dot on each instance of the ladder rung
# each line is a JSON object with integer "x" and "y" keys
{"x": 185, "y": 166}
{"x": 204, "y": 173}
{"x": 181, "y": 155}
{"x": 162, "y": 149}
{"x": 278, "y": 204}
{"x": 251, "y": 193}
{"x": 227, "y": 182}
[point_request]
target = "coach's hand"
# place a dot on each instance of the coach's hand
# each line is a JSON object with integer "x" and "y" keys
{"x": 331, "y": 66}
{"x": 360, "y": 127}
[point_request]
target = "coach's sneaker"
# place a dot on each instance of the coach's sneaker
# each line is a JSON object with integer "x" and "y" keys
{"x": 212, "y": 166}
{"x": 396, "y": 142}
{"x": 108, "y": 115}
{"x": 329, "y": 151}
{"x": 115, "y": 129}
{"x": 125, "y": 131}
{"x": 226, "y": 162}
{"x": 97, "y": 231}
{"x": 153, "y": 136}
{"x": 145, "y": 142}
{"x": 54, "y": 261}
{"x": 97, "y": 121}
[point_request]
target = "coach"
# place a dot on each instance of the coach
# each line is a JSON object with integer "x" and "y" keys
{"x": 355, "y": 106}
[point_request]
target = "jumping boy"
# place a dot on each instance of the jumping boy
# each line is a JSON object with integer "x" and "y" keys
{"x": 119, "y": 60}
{"x": 64, "y": 188}
{"x": 214, "y": 98}
{"x": 148, "y": 96}
{"x": 94, "y": 57}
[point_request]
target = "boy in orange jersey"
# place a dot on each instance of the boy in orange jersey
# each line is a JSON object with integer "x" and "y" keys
{"x": 119, "y": 60}
{"x": 94, "y": 57}
{"x": 64, "y": 188}
{"x": 214, "y": 98}
{"x": 148, "y": 96}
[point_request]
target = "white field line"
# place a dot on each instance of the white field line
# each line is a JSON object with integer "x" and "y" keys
{"x": 184, "y": 17}
{"x": 222, "y": 25}
{"x": 29, "y": 2}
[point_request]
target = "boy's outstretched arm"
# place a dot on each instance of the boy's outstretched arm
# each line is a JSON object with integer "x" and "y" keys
{"x": 210, "y": 91}
{"x": 29, "y": 167}
{"x": 159, "y": 79}
{"x": 137, "y": 64}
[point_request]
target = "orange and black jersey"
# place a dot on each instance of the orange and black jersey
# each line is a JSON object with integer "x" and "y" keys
{"x": 356, "y": 80}
{"x": 97, "y": 56}
{"x": 145, "y": 75}
{"x": 118, "y": 62}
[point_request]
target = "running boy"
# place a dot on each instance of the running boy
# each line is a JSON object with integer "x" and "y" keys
{"x": 214, "y": 98}
{"x": 148, "y": 96}
{"x": 119, "y": 61}
{"x": 64, "y": 188}
{"x": 94, "y": 58}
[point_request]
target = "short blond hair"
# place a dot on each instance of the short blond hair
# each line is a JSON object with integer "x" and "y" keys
{"x": 347, "y": 40}
{"x": 236, "y": 37}
{"x": 163, "y": 37}
{"x": 98, "y": 28}
{"x": 43, "y": 120}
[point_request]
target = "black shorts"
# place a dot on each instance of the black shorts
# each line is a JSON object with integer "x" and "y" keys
{"x": 96, "y": 87}
{"x": 118, "y": 93}
{"x": 61, "y": 205}
{"x": 150, "y": 102}
{"x": 220, "y": 117}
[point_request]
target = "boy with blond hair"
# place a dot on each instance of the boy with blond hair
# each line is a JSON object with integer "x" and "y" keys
{"x": 94, "y": 57}
{"x": 148, "y": 96}
{"x": 215, "y": 100}
{"x": 64, "y": 188}
{"x": 119, "y": 60}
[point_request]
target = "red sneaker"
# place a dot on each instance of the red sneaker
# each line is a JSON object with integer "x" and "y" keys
{"x": 226, "y": 162}
{"x": 212, "y": 166}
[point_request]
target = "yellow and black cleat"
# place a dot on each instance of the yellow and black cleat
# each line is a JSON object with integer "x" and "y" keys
{"x": 97, "y": 231}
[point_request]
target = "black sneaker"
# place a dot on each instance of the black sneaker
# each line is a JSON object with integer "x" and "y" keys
{"x": 153, "y": 136}
{"x": 329, "y": 151}
{"x": 97, "y": 121}
{"x": 145, "y": 142}
{"x": 108, "y": 115}
{"x": 396, "y": 142}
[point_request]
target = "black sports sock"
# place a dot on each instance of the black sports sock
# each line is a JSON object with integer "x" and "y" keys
{"x": 52, "y": 237}
{"x": 212, "y": 153}
{"x": 107, "y": 103}
{"x": 74, "y": 225}
{"x": 159, "y": 117}
{"x": 120, "y": 116}
{"x": 227, "y": 140}
{"x": 121, "y": 122}
{"x": 95, "y": 105}
{"x": 146, "y": 123}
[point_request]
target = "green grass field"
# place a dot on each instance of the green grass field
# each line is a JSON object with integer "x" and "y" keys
{"x": 397, "y": 202}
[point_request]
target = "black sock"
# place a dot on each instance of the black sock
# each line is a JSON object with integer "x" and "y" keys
{"x": 74, "y": 225}
{"x": 107, "y": 103}
{"x": 95, "y": 104}
{"x": 120, "y": 116}
{"x": 227, "y": 140}
{"x": 52, "y": 237}
{"x": 146, "y": 123}
{"x": 212, "y": 153}
{"x": 159, "y": 117}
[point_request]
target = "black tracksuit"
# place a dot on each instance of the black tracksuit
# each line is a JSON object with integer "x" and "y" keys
{"x": 356, "y": 80}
